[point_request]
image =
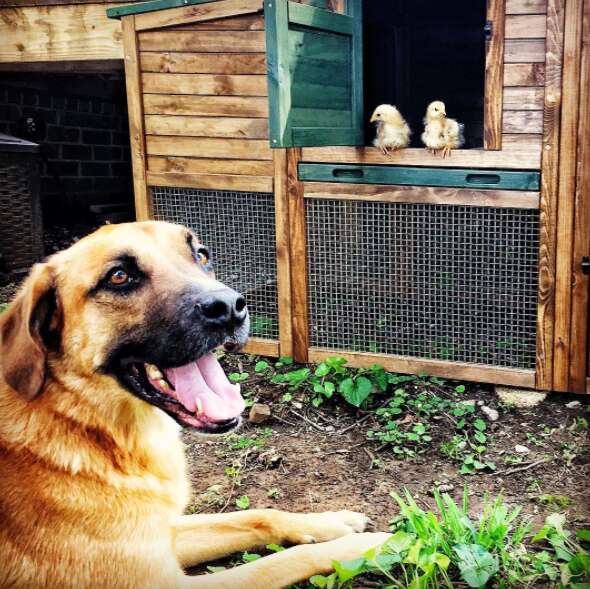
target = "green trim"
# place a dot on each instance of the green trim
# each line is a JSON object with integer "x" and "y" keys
{"x": 415, "y": 176}
{"x": 355, "y": 9}
{"x": 322, "y": 136}
{"x": 317, "y": 18}
{"x": 151, "y": 6}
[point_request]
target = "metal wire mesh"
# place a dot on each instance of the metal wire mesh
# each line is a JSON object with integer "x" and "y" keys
{"x": 239, "y": 227}
{"x": 431, "y": 281}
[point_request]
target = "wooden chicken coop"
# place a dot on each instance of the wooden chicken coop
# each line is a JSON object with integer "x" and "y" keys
{"x": 249, "y": 123}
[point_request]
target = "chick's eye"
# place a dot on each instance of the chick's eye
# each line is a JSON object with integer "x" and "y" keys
{"x": 118, "y": 277}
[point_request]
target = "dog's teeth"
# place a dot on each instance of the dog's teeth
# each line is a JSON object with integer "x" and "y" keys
{"x": 153, "y": 372}
{"x": 163, "y": 385}
{"x": 199, "y": 404}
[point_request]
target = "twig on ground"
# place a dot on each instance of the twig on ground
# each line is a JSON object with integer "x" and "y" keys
{"x": 371, "y": 456}
{"x": 363, "y": 419}
{"x": 346, "y": 450}
{"x": 307, "y": 420}
{"x": 283, "y": 420}
{"x": 523, "y": 468}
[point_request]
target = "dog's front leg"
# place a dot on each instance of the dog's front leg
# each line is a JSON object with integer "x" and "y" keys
{"x": 201, "y": 538}
{"x": 290, "y": 566}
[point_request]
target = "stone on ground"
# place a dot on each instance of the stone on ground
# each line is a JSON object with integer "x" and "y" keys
{"x": 520, "y": 397}
{"x": 259, "y": 413}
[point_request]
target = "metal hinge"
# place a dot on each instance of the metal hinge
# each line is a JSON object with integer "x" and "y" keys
{"x": 585, "y": 265}
{"x": 488, "y": 29}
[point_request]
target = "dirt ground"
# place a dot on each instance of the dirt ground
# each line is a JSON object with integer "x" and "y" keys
{"x": 320, "y": 459}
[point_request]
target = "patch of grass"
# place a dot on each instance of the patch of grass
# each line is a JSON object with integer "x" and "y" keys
{"x": 449, "y": 549}
{"x": 3, "y": 306}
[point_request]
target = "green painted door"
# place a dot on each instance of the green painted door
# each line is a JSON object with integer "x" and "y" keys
{"x": 315, "y": 83}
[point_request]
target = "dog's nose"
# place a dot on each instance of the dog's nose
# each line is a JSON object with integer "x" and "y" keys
{"x": 222, "y": 307}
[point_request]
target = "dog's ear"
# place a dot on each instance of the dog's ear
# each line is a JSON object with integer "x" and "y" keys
{"x": 25, "y": 328}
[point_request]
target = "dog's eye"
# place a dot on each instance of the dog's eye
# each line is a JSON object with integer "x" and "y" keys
{"x": 202, "y": 256}
{"x": 118, "y": 277}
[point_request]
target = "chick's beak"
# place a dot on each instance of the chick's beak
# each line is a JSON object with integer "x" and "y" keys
{"x": 373, "y": 118}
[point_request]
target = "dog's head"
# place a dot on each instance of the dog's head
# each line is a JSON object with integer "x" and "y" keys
{"x": 138, "y": 305}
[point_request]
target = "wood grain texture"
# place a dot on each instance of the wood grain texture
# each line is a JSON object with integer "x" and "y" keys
{"x": 518, "y": 152}
{"x": 143, "y": 209}
{"x": 548, "y": 203}
{"x": 579, "y": 361}
{"x": 526, "y": 6}
{"x": 261, "y": 347}
{"x": 522, "y": 121}
{"x": 248, "y": 22}
{"x": 524, "y": 74}
{"x": 228, "y": 106}
{"x": 422, "y": 195}
{"x": 59, "y": 33}
{"x": 568, "y": 152}
{"x": 188, "y": 165}
{"x": 281, "y": 199}
{"x": 254, "y": 149}
{"x": 196, "y": 13}
{"x": 205, "y": 84}
{"x": 231, "y": 127}
{"x": 298, "y": 261}
{"x": 524, "y": 50}
{"x": 203, "y": 63}
{"x": 524, "y": 98}
{"x": 440, "y": 368}
{"x": 529, "y": 26}
{"x": 211, "y": 181}
{"x": 203, "y": 41}
{"x": 494, "y": 77}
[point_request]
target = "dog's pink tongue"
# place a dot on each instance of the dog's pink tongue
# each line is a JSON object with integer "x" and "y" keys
{"x": 205, "y": 380}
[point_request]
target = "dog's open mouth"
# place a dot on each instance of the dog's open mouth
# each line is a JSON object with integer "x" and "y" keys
{"x": 197, "y": 395}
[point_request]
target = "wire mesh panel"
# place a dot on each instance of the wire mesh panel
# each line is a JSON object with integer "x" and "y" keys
{"x": 443, "y": 282}
{"x": 239, "y": 227}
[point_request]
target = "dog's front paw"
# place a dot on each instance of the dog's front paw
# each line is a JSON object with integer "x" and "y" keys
{"x": 308, "y": 528}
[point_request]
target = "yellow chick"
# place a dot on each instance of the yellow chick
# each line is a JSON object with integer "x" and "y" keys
{"x": 440, "y": 133}
{"x": 392, "y": 130}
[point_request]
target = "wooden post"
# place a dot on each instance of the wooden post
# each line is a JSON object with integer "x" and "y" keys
{"x": 283, "y": 259}
{"x": 494, "y": 90}
{"x": 298, "y": 243}
{"x": 578, "y": 353}
{"x": 549, "y": 187}
{"x": 143, "y": 209}
{"x": 568, "y": 153}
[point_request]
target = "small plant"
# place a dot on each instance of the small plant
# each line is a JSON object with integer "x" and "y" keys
{"x": 238, "y": 376}
{"x": 243, "y": 502}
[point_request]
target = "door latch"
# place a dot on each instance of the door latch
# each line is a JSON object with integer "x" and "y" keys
{"x": 585, "y": 265}
{"x": 488, "y": 30}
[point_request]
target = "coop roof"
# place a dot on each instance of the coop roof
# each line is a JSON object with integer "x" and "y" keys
{"x": 151, "y": 6}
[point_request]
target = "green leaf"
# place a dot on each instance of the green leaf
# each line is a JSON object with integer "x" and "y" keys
{"x": 480, "y": 425}
{"x": 349, "y": 569}
{"x": 215, "y": 569}
{"x": 399, "y": 542}
{"x": 355, "y": 392}
{"x": 583, "y": 535}
{"x": 480, "y": 437}
{"x": 243, "y": 502}
{"x": 250, "y": 557}
{"x": 275, "y": 547}
{"x": 322, "y": 370}
{"x": 476, "y": 564}
{"x": 460, "y": 388}
{"x": 261, "y": 366}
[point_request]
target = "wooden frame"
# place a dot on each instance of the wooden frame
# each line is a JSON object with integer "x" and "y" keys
{"x": 493, "y": 93}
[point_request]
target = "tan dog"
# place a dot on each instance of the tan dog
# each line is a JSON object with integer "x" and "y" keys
{"x": 108, "y": 344}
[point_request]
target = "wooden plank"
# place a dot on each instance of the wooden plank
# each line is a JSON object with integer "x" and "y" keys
{"x": 203, "y": 63}
{"x": 524, "y": 74}
{"x": 248, "y": 22}
{"x": 309, "y": 16}
{"x": 59, "y": 33}
{"x": 524, "y": 98}
{"x": 23, "y": 3}
{"x": 526, "y": 6}
{"x": 196, "y": 13}
{"x": 261, "y": 347}
{"x": 283, "y": 249}
{"x": 440, "y": 368}
{"x": 298, "y": 260}
{"x": 228, "y": 106}
{"x": 524, "y": 50}
{"x": 579, "y": 361}
{"x": 529, "y": 26}
{"x": 143, "y": 208}
{"x": 206, "y": 126}
{"x": 522, "y": 121}
{"x": 494, "y": 77}
{"x": 203, "y": 41}
{"x": 548, "y": 204}
{"x": 205, "y": 84}
{"x": 420, "y": 176}
{"x": 81, "y": 66}
{"x": 568, "y": 150}
{"x": 188, "y": 165}
{"x": 211, "y": 181}
{"x": 253, "y": 149}
{"x": 522, "y": 153}
{"x": 422, "y": 195}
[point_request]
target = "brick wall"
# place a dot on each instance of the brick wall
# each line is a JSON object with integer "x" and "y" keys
{"x": 83, "y": 133}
